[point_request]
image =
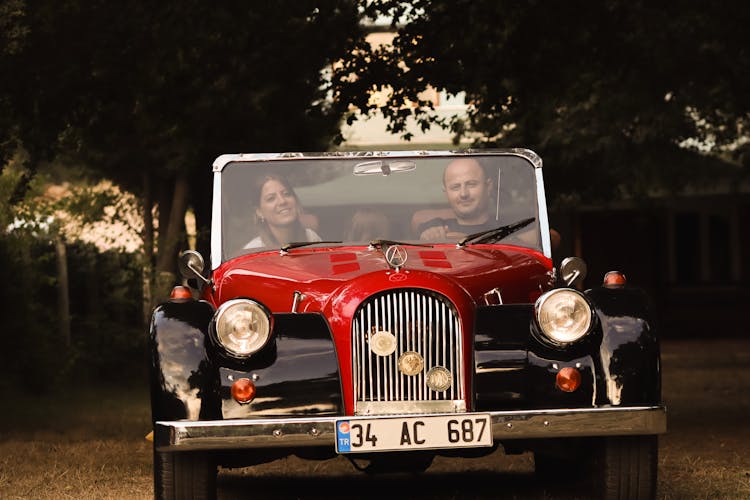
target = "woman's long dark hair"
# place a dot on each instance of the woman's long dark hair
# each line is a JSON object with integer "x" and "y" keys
{"x": 265, "y": 233}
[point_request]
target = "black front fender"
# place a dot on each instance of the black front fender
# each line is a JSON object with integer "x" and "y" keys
{"x": 629, "y": 349}
{"x": 180, "y": 362}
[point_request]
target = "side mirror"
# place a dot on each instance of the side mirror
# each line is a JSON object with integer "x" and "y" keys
{"x": 573, "y": 270}
{"x": 191, "y": 265}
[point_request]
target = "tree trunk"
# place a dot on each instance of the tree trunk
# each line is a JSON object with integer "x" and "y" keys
{"x": 63, "y": 297}
{"x": 148, "y": 248}
{"x": 173, "y": 234}
{"x": 164, "y": 202}
{"x": 94, "y": 309}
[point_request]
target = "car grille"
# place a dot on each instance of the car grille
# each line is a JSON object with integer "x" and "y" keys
{"x": 421, "y": 322}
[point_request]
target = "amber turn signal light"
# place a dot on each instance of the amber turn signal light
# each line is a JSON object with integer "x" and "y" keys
{"x": 614, "y": 278}
{"x": 243, "y": 390}
{"x": 180, "y": 293}
{"x": 568, "y": 379}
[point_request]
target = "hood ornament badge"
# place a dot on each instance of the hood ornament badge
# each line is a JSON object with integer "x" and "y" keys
{"x": 396, "y": 256}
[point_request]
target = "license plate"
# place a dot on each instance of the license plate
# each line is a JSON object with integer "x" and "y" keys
{"x": 413, "y": 433}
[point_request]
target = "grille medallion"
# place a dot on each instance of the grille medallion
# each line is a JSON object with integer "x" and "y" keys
{"x": 411, "y": 363}
{"x": 383, "y": 343}
{"x": 439, "y": 379}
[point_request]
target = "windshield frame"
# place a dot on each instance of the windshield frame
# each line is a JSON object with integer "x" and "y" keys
{"x": 223, "y": 160}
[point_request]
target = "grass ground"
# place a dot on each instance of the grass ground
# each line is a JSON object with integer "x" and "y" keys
{"x": 89, "y": 443}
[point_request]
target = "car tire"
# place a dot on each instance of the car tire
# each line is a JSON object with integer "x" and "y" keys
{"x": 625, "y": 467}
{"x": 184, "y": 475}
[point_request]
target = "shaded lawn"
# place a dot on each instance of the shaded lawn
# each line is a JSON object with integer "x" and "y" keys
{"x": 76, "y": 443}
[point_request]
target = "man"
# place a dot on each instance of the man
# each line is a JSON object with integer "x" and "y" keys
{"x": 468, "y": 190}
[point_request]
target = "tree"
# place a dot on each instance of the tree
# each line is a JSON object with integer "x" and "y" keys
{"x": 150, "y": 93}
{"x": 606, "y": 91}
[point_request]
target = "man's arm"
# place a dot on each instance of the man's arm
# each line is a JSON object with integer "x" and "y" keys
{"x": 434, "y": 230}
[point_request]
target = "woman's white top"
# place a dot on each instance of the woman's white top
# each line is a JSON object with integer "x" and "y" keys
{"x": 257, "y": 242}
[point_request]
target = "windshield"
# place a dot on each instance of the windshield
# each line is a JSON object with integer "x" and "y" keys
{"x": 354, "y": 200}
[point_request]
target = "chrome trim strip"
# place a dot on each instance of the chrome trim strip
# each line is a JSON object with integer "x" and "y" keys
{"x": 216, "y": 222}
{"x": 543, "y": 218}
{"x": 379, "y": 408}
{"x": 320, "y": 431}
{"x": 222, "y": 161}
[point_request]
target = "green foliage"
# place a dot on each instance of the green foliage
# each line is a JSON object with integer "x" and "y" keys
{"x": 46, "y": 211}
{"x": 108, "y": 340}
{"x": 31, "y": 346}
{"x": 168, "y": 86}
{"x": 12, "y": 28}
{"x": 105, "y": 289}
{"x": 147, "y": 93}
{"x": 605, "y": 91}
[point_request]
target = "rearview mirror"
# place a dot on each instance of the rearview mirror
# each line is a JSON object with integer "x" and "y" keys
{"x": 573, "y": 271}
{"x": 191, "y": 265}
{"x": 379, "y": 167}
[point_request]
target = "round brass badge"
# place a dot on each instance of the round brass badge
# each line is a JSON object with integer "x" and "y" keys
{"x": 410, "y": 363}
{"x": 439, "y": 379}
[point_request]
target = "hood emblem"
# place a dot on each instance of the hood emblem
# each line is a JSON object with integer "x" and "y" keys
{"x": 396, "y": 256}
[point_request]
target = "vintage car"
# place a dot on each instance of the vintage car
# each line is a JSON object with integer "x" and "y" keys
{"x": 347, "y": 311}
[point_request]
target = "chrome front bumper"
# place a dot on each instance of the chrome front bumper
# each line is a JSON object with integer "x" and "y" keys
{"x": 186, "y": 435}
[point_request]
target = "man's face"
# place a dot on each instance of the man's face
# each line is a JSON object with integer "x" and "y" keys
{"x": 468, "y": 190}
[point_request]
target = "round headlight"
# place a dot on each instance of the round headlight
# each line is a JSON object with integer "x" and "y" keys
{"x": 564, "y": 315}
{"x": 242, "y": 326}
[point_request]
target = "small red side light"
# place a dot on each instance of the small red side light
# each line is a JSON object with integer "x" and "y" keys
{"x": 181, "y": 293}
{"x": 568, "y": 379}
{"x": 243, "y": 390}
{"x": 614, "y": 278}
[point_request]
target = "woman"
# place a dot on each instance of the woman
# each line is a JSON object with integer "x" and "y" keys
{"x": 277, "y": 211}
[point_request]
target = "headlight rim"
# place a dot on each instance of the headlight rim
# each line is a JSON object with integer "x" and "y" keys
{"x": 221, "y": 310}
{"x": 555, "y": 341}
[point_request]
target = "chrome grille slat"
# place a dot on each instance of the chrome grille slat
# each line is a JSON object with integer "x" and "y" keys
{"x": 403, "y": 344}
{"x": 421, "y": 321}
{"x": 369, "y": 357}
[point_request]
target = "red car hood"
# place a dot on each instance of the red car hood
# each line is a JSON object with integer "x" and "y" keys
{"x": 353, "y": 273}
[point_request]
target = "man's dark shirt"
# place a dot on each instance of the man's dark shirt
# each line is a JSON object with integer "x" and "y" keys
{"x": 455, "y": 227}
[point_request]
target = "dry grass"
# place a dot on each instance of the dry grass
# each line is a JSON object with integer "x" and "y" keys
{"x": 76, "y": 444}
{"x": 89, "y": 444}
{"x": 706, "y": 453}
{"x": 51, "y": 467}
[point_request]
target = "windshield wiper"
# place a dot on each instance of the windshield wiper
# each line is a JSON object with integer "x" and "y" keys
{"x": 297, "y": 244}
{"x": 380, "y": 243}
{"x": 496, "y": 234}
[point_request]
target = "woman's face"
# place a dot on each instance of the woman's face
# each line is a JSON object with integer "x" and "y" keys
{"x": 277, "y": 206}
